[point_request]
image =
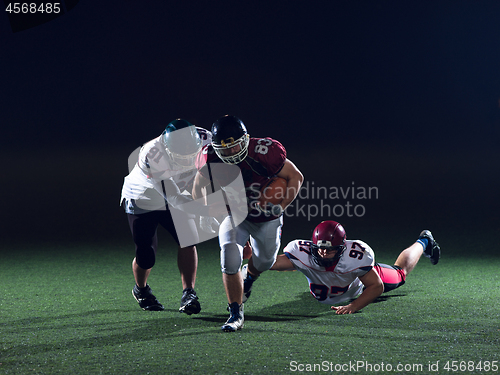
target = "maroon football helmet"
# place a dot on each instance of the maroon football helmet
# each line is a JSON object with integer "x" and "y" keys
{"x": 328, "y": 235}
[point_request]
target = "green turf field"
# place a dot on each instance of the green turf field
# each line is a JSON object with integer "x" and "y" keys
{"x": 69, "y": 310}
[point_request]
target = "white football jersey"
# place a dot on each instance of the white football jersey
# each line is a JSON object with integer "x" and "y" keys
{"x": 338, "y": 282}
{"x": 148, "y": 166}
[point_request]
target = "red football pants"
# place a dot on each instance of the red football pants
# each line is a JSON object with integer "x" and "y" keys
{"x": 392, "y": 276}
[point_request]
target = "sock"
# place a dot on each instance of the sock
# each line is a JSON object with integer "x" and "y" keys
{"x": 234, "y": 308}
{"x": 250, "y": 277}
{"x": 424, "y": 242}
{"x": 247, "y": 283}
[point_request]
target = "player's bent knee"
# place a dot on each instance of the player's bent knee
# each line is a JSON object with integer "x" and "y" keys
{"x": 231, "y": 258}
{"x": 145, "y": 258}
{"x": 263, "y": 264}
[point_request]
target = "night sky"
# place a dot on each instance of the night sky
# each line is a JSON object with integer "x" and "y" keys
{"x": 400, "y": 95}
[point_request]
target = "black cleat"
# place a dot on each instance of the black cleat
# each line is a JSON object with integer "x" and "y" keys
{"x": 432, "y": 251}
{"x": 189, "y": 302}
{"x": 147, "y": 300}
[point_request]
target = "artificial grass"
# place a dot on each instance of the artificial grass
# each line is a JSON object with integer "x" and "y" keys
{"x": 70, "y": 310}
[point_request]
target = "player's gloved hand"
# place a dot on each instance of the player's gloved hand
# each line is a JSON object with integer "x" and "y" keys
{"x": 272, "y": 209}
{"x": 209, "y": 224}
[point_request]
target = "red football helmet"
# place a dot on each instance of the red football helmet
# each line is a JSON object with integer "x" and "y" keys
{"x": 328, "y": 235}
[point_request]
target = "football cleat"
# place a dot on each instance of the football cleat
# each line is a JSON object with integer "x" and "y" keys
{"x": 147, "y": 300}
{"x": 247, "y": 283}
{"x": 236, "y": 318}
{"x": 189, "y": 302}
{"x": 432, "y": 250}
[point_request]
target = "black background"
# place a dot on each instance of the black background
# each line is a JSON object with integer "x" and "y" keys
{"x": 403, "y": 96}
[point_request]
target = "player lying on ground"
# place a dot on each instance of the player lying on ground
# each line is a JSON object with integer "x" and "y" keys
{"x": 339, "y": 270}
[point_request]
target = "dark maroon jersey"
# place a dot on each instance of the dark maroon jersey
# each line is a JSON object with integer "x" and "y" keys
{"x": 265, "y": 159}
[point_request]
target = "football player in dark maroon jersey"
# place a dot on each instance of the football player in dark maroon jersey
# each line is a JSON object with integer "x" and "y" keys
{"x": 258, "y": 159}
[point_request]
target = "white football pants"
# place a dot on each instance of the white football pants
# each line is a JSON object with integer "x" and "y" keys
{"x": 265, "y": 239}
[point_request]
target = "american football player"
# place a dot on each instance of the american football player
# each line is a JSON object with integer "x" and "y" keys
{"x": 340, "y": 270}
{"x": 159, "y": 181}
{"x": 259, "y": 159}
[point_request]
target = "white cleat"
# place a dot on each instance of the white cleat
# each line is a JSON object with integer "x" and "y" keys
{"x": 236, "y": 319}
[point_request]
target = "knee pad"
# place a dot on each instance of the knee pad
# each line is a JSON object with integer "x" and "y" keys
{"x": 145, "y": 257}
{"x": 231, "y": 257}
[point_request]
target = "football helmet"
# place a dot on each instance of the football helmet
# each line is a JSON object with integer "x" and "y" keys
{"x": 182, "y": 142}
{"x": 228, "y": 133}
{"x": 328, "y": 235}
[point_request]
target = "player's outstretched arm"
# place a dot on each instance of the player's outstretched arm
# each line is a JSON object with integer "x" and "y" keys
{"x": 373, "y": 288}
{"x": 282, "y": 264}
